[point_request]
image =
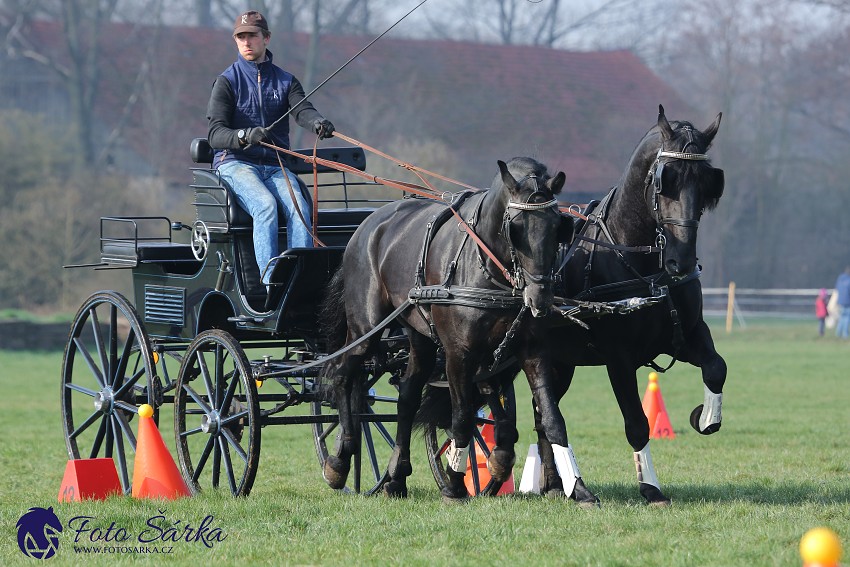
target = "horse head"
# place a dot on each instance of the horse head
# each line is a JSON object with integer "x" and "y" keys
{"x": 532, "y": 228}
{"x": 680, "y": 186}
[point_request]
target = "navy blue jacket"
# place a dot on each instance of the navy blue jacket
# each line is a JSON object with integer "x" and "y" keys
{"x": 249, "y": 94}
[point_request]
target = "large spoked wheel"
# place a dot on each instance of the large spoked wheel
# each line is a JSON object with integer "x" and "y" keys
{"x": 478, "y": 480}
{"x": 217, "y": 415}
{"x": 377, "y": 440}
{"x": 107, "y": 372}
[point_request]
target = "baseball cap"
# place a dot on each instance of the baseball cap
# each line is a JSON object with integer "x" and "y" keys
{"x": 251, "y": 21}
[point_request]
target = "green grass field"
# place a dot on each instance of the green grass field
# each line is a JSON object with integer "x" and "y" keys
{"x": 744, "y": 496}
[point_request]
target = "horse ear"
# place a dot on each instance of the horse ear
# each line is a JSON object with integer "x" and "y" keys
{"x": 711, "y": 131}
{"x": 556, "y": 183}
{"x": 663, "y": 125}
{"x": 507, "y": 178}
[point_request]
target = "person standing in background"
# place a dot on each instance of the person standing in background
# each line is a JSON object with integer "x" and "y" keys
{"x": 821, "y": 311}
{"x": 842, "y": 288}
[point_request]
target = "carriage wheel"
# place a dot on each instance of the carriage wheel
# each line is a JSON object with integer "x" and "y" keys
{"x": 377, "y": 440}
{"x": 217, "y": 415}
{"x": 437, "y": 441}
{"x": 107, "y": 372}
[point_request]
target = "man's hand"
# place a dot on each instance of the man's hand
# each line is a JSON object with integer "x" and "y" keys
{"x": 256, "y": 135}
{"x": 324, "y": 128}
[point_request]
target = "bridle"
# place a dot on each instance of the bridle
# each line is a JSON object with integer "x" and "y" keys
{"x": 519, "y": 276}
{"x": 653, "y": 188}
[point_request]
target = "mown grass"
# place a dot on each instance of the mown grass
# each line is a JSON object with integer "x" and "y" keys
{"x": 779, "y": 466}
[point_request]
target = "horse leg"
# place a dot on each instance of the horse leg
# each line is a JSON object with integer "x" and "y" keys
{"x": 550, "y": 482}
{"x": 348, "y": 377}
{"x": 706, "y": 417}
{"x": 463, "y": 422}
{"x": 624, "y": 383}
{"x": 502, "y": 458}
{"x": 420, "y": 365}
{"x": 540, "y": 378}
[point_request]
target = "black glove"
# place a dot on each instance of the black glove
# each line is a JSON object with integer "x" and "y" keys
{"x": 256, "y": 135}
{"x": 324, "y": 128}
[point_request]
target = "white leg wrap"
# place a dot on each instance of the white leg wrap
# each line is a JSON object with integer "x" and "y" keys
{"x": 645, "y": 468}
{"x": 565, "y": 462}
{"x": 710, "y": 409}
{"x": 457, "y": 458}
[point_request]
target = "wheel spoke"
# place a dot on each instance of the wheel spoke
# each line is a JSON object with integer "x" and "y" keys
{"x": 198, "y": 399}
{"x": 130, "y": 383}
{"x": 479, "y": 440}
{"x": 81, "y": 389}
{"x": 328, "y": 431}
{"x": 205, "y": 374}
{"x": 191, "y": 432}
{"x": 231, "y": 389}
{"x": 98, "y": 375}
{"x": 473, "y": 467}
{"x": 228, "y": 466}
{"x": 444, "y": 447}
{"x": 123, "y": 362}
{"x": 98, "y": 438}
{"x": 205, "y": 454}
{"x": 370, "y": 449}
{"x": 85, "y": 425}
{"x": 235, "y": 417}
{"x": 125, "y": 427}
{"x": 219, "y": 375}
{"x": 216, "y": 470}
{"x": 107, "y": 446}
{"x": 382, "y": 430}
{"x": 98, "y": 341}
{"x": 113, "y": 343}
{"x": 236, "y": 447}
{"x": 119, "y": 450}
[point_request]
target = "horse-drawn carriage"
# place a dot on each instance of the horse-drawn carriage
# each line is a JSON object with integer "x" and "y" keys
{"x": 204, "y": 334}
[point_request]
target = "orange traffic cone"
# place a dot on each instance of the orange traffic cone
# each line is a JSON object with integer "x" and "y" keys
{"x": 155, "y": 474}
{"x": 489, "y": 434}
{"x": 656, "y": 413}
{"x": 89, "y": 478}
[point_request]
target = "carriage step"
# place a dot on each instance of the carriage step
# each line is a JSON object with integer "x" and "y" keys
{"x": 248, "y": 319}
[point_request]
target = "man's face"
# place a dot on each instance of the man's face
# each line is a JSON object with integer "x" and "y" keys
{"x": 252, "y": 45}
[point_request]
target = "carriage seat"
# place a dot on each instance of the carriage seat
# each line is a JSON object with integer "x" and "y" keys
{"x": 213, "y": 193}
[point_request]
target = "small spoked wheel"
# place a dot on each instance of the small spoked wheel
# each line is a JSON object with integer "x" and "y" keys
{"x": 478, "y": 480}
{"x": 377, "y": 437}
{"x": 217, "y": 415}
{"x": 107, "y": 372}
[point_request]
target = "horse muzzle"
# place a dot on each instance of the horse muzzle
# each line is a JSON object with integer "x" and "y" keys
{"x": 538, "y": 298}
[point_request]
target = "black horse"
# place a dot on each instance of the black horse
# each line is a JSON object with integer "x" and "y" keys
{"x": 641, "y": 241}
{"x": 459, "y": 300}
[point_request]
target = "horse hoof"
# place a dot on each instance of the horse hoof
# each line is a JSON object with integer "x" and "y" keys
{"x": 695, "y": 415}
{"x": 335, "y": 472}
{"x": 454, "y": 500}
{"x": 554, "y": 493}
{"x": 653, "y": 496}
{"x": 584, "y": 497}
{"x": 500, "y": 464}
{"x": 395, "y": 489}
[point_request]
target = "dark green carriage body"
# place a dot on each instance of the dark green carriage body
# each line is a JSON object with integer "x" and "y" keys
{"x": 178, "y": 296}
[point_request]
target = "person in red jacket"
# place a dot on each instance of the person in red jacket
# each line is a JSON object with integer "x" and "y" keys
{"x": 821, "y": 311}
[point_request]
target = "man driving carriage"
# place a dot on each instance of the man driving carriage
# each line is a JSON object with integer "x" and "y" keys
{"x": 247, "y": 100}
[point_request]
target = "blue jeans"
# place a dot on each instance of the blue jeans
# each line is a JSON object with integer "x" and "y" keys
{"x": 259, "y": 189}
{"x": 843, "y": 328}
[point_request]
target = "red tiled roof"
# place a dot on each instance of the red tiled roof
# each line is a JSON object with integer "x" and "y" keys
{"x": 580, "y": 112}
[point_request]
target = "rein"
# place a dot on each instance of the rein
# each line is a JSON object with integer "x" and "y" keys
{"x": 427, "y": 191}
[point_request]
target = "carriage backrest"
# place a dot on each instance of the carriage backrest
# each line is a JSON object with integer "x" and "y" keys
{"x": 352, "y": 156}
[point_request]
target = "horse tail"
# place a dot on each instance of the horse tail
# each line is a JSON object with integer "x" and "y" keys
{"x": 435, "y": 409}
{"x": 332, "y": 319}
